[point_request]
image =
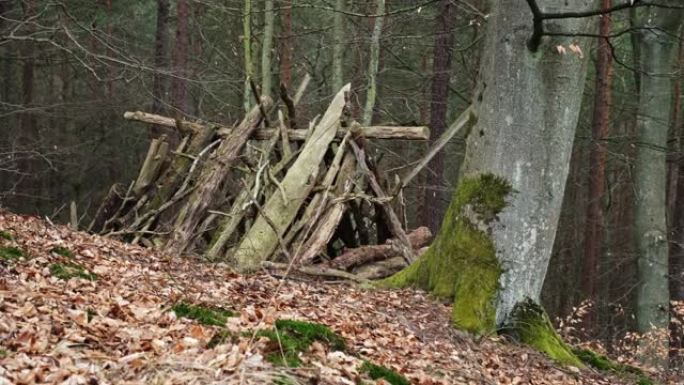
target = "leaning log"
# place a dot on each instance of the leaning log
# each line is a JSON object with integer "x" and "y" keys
{"x": 371, "y": 132}
{"x": 277, "y": 214}
{"x": 366, "y": 254}
{"x": 394, "y": 224}
{"x": 210, "y": 180}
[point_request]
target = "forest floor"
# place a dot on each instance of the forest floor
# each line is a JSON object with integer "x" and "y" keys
{"x": 116, "y": 323}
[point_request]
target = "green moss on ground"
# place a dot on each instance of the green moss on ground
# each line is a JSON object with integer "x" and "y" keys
{"x": 6, "y": 235}
{"x": 377, "y": 372}
{"x": 3, "y": 353}
{"x": 67, "y": 271}
{"x": 220, "y": 338}
{"x": 605, "y": 364}
{"x": 11, "y": 253}
{"x": 292, "y": 337}
{"x": 531, "y": 326}
{"x": 63, "y": 251}
{"x": 461, "y": 264}
{"x": 206, "y": 315}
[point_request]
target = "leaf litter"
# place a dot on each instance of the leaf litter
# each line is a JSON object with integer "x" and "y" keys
{"x": 121, "y": 328}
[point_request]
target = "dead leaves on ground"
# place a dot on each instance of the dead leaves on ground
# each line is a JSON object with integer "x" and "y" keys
{"x": 119, "y": 328}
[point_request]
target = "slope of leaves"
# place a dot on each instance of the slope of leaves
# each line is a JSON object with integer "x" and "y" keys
{"x": 118, "y": 329}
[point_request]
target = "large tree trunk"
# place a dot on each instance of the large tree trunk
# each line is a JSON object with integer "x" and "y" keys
{"x": 434, "y": 203}
{"x": 657, "y": 50}
{"x": 495, "y": 243}
{"x": 676, "y": 209}
{"x": 594, "y": 229}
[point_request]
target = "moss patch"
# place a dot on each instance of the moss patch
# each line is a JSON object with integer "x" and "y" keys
{"x": 6, "y": 236}
{"x": 10, "y": 253}
{"x": 461, "y": 264}
{"x": 63, "y": 251}
{"x": 290, "y": 337}
{"x": 605, "y": 364}
{"x": 3, "y": 353}
{"x": 221, "y": 337}
{"x": 377, "y": 372}
{"x": 67, "y": 271}
{"x": 206, "y": 315}
{"x": 531, "y": 325}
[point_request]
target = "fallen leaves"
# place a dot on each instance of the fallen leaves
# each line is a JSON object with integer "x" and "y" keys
{"x": 120, "y": 328}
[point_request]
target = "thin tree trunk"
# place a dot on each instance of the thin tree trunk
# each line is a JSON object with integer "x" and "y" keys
{"x": 595, "y": 222}
{"x": 374, "y": 63}
{"x": 338, "y": 47}
{"x": 180, "y": 58}
{"x": 266, "y": 49}
{"x": 286, "y": 44}
{"x": 434, "y": 204}
{"x": 657, "y": 55}
{"x": 247, "y": 48}
{"x": 161, "y": 63}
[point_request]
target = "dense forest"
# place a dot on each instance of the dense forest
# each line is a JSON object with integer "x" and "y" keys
{"x": 520, "y": 161}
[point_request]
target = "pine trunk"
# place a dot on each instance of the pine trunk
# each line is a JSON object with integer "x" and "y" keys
{"x": 435, "y": 203}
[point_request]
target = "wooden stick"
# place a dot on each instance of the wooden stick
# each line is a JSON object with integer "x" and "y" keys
{"x": 315, "y": 271}
{"x": 261, "y": 240}
{"x": 210, "y": 180}
{"x": 467, "y": 115}
{"x": 372, "y": 253}
{"x": 394, "y": 223}
{"x": 371, "y": 132}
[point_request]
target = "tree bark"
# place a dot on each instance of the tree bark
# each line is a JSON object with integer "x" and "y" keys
{"x": 594, "y": 229}
{"x": 266, "y": 49}
{"x": 209, "y": 182}
{"x": 161, "y": 62}
{"x": 657, "y": 51}
{"x": 277, "y": 214}
{"x": 247, "y": 49}
{"x": 435, "y": 201}
{"x": 676, "y": 208}
{"x": 373, "y": 64}
{"x": 180, "y": 60}
{"x": 338, "y": 47}
{"x": 494, "y": 246}
{"x": 286, "y": 45}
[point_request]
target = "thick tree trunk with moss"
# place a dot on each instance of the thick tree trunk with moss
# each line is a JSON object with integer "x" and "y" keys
{"x": 657, "y": 44}
{"x": 495, "y": 243}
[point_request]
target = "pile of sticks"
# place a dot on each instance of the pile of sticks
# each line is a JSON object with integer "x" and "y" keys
{"x": 265, "y": 194}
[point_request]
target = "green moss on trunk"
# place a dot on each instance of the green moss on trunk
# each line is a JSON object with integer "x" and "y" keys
{"x": 461, "y": 264}
{"x": 531, "y": 325}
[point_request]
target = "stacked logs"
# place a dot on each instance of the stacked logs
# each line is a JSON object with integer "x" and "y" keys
{"x": 262, "y": 195}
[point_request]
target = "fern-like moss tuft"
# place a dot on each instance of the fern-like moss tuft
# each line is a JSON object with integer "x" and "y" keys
{"x": 377, "y": 372}
{"x": 206, "y": 315}
{"x": 11, "y": 253}
{"x": 67, "y": 271}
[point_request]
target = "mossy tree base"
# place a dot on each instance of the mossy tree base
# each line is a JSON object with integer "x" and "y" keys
{"x": 531, "y": 325}
{"x": 461, "y": 264}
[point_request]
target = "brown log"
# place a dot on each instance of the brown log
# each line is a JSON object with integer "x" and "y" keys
{"x": 320, "y": 271}
{"x": 366, "y": 254}
{"x": 380, "y": 269}
{"x": 371, "y": 132}
{"x": 212, "y": 177}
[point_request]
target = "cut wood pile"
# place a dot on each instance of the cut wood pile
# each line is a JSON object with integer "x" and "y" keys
{"x": 267, "y": 194}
